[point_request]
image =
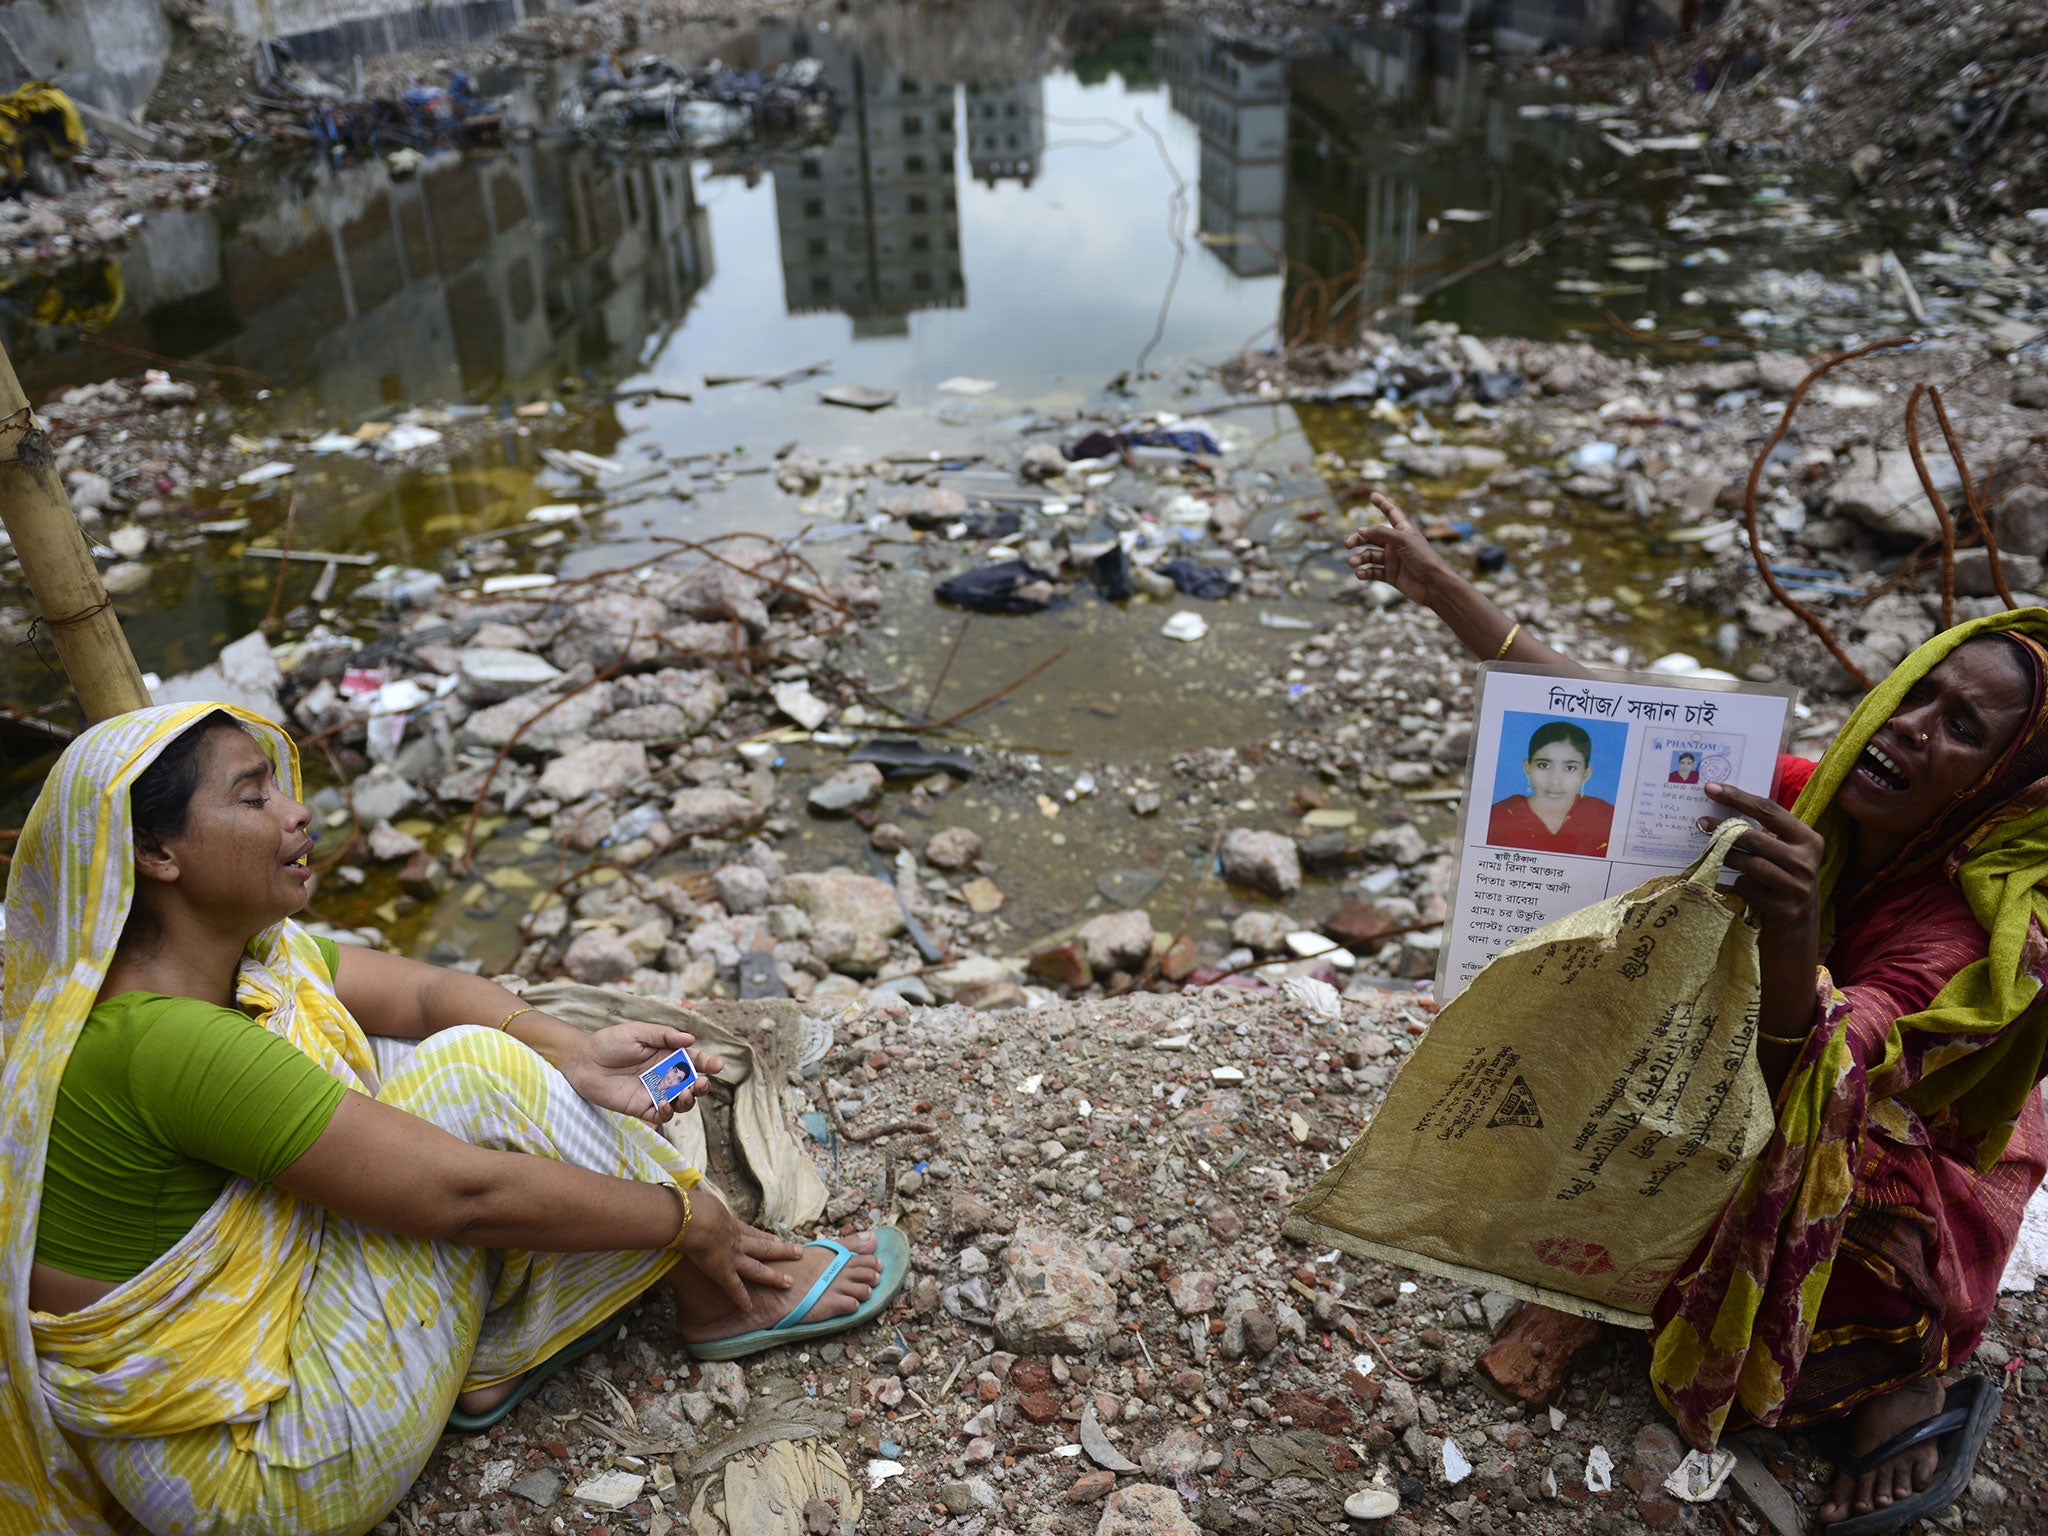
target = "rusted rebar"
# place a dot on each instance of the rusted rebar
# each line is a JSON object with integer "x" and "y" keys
{"x": 1971, "y": 497}
{"x": 983, "y": 703}
{"x": 1941, "y": 512}
{"x": 1777, "y": 590}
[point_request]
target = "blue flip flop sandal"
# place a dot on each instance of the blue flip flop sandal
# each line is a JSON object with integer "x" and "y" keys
{"x": 892, "y": 1248}
{"x": 1961, "y": 1427}
{"x": 568, "y": 1354}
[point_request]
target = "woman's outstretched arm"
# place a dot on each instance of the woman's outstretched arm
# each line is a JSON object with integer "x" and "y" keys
{"x": 1399, "y": 555}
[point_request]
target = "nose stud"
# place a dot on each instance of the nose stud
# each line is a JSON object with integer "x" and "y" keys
{"x": 1923, "y": 738}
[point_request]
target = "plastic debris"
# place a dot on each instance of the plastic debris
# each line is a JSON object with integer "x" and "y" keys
{"x": 1314, "y": 946}
{"x": 1185, "y": 625}
{"x": 610, "y": 1490}
{"x": 401, "y": 586}
{"x": 1373, "y": 1504}
{"x": 1599, "y": 1470}
{"x": 1097, "y": 1445}
{"x": 518, "y": 582}
{"x": 1008, "y": 586}
{"x": 1700, "y": 1476}
{"x": 404, "y": 437}
{"x": 880, "y": 1471}
{"x": 709, "y": 105}
{"x": 1318, "y": 999}
{"x": 1195, "y": 578}
{"x": 1456, "y": 1467}
{"x": 858, "y": 397}
{"x": 897, "y": 756}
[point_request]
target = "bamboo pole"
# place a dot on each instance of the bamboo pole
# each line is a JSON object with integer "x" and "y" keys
{"x": 54, "y": 556}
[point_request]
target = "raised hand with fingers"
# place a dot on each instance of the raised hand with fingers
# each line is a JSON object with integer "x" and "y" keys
{"x": 1399, "y": 555}
{"x": 1776, "y": 862}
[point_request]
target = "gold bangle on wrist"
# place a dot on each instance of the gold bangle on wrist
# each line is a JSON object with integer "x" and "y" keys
{"x": 675, "y": 1244}
{"x": 1784, "y": 1039}
{"x": 506, "y": 1022}
{"x": 1513, "y": 630}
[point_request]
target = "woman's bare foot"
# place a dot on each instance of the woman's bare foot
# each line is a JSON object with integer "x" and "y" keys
{"x": 1876, "y": 1421}
{"x": 484, "y": 1399}
{"x": 704, "y": 1312}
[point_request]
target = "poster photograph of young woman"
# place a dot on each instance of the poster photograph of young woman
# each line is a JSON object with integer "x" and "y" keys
{"x": 1555, "y": 783}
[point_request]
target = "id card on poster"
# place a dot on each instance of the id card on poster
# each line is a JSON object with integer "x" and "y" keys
{"x": 1584, "y": 787}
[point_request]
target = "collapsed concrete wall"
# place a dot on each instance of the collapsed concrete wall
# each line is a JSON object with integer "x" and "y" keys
{"x": 106, "y": 53}
{"x": 329, "y": 31}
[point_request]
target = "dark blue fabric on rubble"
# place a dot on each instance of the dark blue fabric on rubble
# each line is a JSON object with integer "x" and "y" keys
{"x": 1196, "y": 579}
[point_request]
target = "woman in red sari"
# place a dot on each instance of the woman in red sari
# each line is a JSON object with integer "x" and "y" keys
{"x": 1898, "y": 889}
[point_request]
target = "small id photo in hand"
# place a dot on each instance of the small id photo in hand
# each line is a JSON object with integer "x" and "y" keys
{"x": 667, "y": 1079}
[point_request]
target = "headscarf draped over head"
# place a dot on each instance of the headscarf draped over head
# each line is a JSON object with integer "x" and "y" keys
{"x": 191, "y": 1340}
{"x": 1994, "y": 837}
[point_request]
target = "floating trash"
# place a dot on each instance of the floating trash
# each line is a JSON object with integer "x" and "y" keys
{"x": 1373, "y": 1504}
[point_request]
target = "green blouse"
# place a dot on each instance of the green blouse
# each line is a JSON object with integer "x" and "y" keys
{"x": 162, "y": 1099}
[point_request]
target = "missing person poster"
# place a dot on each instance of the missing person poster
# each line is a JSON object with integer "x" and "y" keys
{"x": 1584, "y": 787}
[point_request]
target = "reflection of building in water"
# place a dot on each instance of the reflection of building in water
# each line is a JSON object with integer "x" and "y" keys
{"x": 483, "y": 277}
{"x": 1392, "y": 130}
{"x": 870, "y": 223}
{"x": 1237, "y": 99}
{"x": 1006, "y": 131}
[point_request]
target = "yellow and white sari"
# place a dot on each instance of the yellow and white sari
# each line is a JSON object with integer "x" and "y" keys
{"x": 280, "y": 1368}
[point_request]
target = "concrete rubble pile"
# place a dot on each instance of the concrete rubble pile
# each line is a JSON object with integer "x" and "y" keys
{"x": 97, "y": 217}
{"x": 1105, "y": 1333}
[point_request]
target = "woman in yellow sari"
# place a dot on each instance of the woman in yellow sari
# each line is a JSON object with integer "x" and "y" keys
{"x": 270, "y": 1210}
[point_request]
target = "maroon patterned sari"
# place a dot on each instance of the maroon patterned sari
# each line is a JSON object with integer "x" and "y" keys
{"x": 1883, "y": 1209}
{"x": 1927, "y": 1235}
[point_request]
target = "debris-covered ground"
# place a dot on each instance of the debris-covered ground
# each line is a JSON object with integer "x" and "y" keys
{"x": 1099, "y": 1160}
{"x": 1939, "y": 109}
{"x": 704, "y": 768}
{"x": 109, "y": 197}
{"x": 1101, "y": 1285}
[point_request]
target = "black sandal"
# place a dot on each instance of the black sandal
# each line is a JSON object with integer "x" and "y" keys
{"x": 1965, "y": 1420}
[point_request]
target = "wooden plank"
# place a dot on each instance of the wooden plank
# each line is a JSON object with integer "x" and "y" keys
{"x": 1765, "y": 1493}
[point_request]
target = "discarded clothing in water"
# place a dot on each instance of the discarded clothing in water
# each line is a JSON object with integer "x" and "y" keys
{"x": 996, "y": 523}
{"x": 1196, "y": 579}
{"x": 1113, "y": 573}
{"x": 1008, "y": 586}
{"x": 1104, "y": 445}
{"x": 899, "y": 756}
{"x": 1186, "y": 439}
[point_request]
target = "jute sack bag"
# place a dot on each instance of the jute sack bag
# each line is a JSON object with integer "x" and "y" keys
{"x": 1576, "y": 1118}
